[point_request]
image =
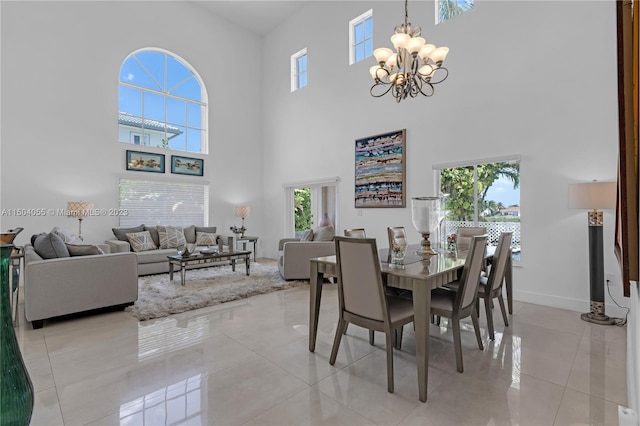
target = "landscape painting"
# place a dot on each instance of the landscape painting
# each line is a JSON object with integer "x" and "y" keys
{"x": 380, "y": 170}
{"x": 145, "y": 161}
{"x": 187, "y": 165}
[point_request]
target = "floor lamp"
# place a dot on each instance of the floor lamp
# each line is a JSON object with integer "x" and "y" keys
{"x": 595, "y": 195}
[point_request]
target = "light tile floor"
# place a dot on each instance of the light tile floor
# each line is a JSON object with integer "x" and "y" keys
{"x": 247, "y": 362}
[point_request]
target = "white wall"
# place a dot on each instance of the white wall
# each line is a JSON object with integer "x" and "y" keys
{"x": 60, "y": 69}
{"x": 536, "y": 79}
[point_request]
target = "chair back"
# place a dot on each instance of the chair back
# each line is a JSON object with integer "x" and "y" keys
{"x": 355, "y": 233}
{"x": 466, "y": 295}
{"x": 360, "y": 288}
{"x": 465, "y": 233}
{"x": 396, "y": 234}
{"x": 496, "y": 276}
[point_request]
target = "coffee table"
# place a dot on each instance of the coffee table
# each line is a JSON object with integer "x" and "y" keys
{"x": 199, "y": 258}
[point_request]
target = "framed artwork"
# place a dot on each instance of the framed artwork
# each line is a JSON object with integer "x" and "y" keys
{"x": 381, "y": 170}
{"x": 145, "y": 161}
{"x": 187, "y": 165}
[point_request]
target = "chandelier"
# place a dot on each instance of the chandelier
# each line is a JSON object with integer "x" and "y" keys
{"x": 414, "y": 68}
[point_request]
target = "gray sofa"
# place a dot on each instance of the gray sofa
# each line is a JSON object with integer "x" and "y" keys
{"x": 155, "y": 261}
{"x": 68, "y": 285}
{"x": 294, "y": 254}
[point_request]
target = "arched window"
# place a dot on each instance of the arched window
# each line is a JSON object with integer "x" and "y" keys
{"x": 162, "y": 102}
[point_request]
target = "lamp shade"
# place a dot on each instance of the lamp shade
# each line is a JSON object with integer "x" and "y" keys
{"x": 243, "y": 211}
{"x": 78, "y": 209}
{"x": 592, "y": 195}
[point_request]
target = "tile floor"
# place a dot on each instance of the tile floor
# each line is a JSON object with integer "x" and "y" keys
{"x": 247, "y": 362}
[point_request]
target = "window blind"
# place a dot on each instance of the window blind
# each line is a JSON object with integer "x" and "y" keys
{"x": 153, "y": 202}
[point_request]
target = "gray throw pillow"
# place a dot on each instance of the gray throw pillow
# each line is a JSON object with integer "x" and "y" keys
{"x": 171, "y": 236}
{"x": 50, "y": 246}
{"x": 153, "y": 231}
{"x": 324, "y": 233}
{"x": 307, "y": 235}
{"x": 190, "y": 233}
{"x": 141, "y": 241}
{"x": 83, "y": 249}
{"x": 121, "y": 233}
{"x": 206, "y": 239}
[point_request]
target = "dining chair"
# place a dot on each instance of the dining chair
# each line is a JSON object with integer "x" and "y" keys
{"x": 462, "y": 303}
{"x": 396, "y": 234}
{"x": 362, "y": 297}
{"x": 359, "y": 233}
{"x": 465, "y": 233}
{"x": 491, "y": 286}
{"x": 355, "y": 233}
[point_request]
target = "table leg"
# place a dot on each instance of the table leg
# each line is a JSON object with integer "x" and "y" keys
{"x": 254, "y": 250}
{"x": 508, "y": 281}
{"x": 170, "y": 271}
{"x": 422, "y": 308}
{"x": 233, "y": 264}
{"x": 183, "y": 272}
{"x": 315, "y": 294}
{"x": 247, "y": 262}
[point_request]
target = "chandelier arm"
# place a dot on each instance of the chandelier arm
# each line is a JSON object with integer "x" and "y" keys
{"x": 443, "y": 78}
{"x": 380, "y": 84}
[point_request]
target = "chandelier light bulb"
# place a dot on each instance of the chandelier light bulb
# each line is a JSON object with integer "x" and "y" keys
{"x": 438, "y": 56}
{"x": 400, "y": 40}
{"x": 382, "y": 54}
{"x": 415, "y": 44}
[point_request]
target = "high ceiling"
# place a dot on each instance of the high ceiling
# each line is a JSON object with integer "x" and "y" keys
{"x": 258, "y": 16}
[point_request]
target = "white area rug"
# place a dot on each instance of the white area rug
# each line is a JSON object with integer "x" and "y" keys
{"x": 159, "y": 297}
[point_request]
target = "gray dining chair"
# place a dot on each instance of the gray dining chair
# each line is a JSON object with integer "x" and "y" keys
{"x": 491, "y": 286}
{"x": 462, "y": 303}
{"x": 464, "y": 236}
{"x": 362, "y": 297}
{"x": 396, "y": 234}
{"x": 359, "y": 233}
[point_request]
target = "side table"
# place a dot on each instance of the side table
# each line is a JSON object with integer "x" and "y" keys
{"x": 244, "y": 240}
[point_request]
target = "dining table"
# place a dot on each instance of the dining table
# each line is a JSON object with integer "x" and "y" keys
{"x": 416, "y": 273}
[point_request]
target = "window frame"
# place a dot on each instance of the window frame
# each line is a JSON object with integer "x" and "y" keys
{"x": 166, "y": 95}
{"x": 437, "y": 168}
{"x": 352, "y": 36}
{"x": 295, "y": 73}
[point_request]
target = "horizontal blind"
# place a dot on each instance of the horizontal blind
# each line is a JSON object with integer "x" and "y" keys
{"x": 152, "y": 202}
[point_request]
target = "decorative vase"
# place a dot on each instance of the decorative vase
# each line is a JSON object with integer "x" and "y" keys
{"x": 16, "y": 390}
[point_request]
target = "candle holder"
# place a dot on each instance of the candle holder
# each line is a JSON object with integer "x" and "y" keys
{"x": 425, "y": 212}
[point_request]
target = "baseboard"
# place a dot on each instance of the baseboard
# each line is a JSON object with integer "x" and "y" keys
{"x": 568, "y": 303}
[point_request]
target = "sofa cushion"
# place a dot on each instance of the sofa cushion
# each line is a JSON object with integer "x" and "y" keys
{"x": 206, "y": 239}
{"x": 141, "y": 241}
{"x": 156, "y": 256}
{"x": 307, "y": 235}
{"x": 208, "y": 229}
{"x": 67, "y": 236}
{"x": 50, "y": 246}
{"x": 171, "y": 236}
{"x": 83, "y": 249}
{"x": 324, "y": 233}
{"x": 190, "y": 233}
{"x": 121, "y": 233}
{"x": 153, "y": 231}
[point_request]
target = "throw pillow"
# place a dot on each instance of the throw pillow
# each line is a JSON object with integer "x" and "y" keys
{"x": 324, "y": 233}
{"x": 83, "y": 249}
{"x": 141, "y": 241}
{"x": 121, "y": 233}
{"x": 206, "y": 239}
{"x": 190, "y": 233}
{"x": 307, "y": 235}
{"x": 153, "y": 231}
{"x": 50, "y": 246}
{"x": 171, "y": 236}
{"x": 67, "y": 236}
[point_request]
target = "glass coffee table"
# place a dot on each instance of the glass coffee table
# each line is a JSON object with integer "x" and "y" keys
{"x": 200, "y": 258}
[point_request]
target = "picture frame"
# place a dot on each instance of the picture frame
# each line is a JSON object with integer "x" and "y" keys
{"x": 187, "y": 165}
{"x": 145, "y": 162}
{"x": 380, "y": 170}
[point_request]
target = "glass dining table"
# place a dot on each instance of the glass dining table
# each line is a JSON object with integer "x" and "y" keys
{"x": 416, "y": 274}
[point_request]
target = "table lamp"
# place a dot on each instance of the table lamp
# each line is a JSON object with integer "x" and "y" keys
{"x": 595, "y": 195}
{"x": 243, "y": 212}
{"x": 79, "y": 210}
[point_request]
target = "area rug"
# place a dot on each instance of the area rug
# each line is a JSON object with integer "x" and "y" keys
{"x": 158, "y": 297}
